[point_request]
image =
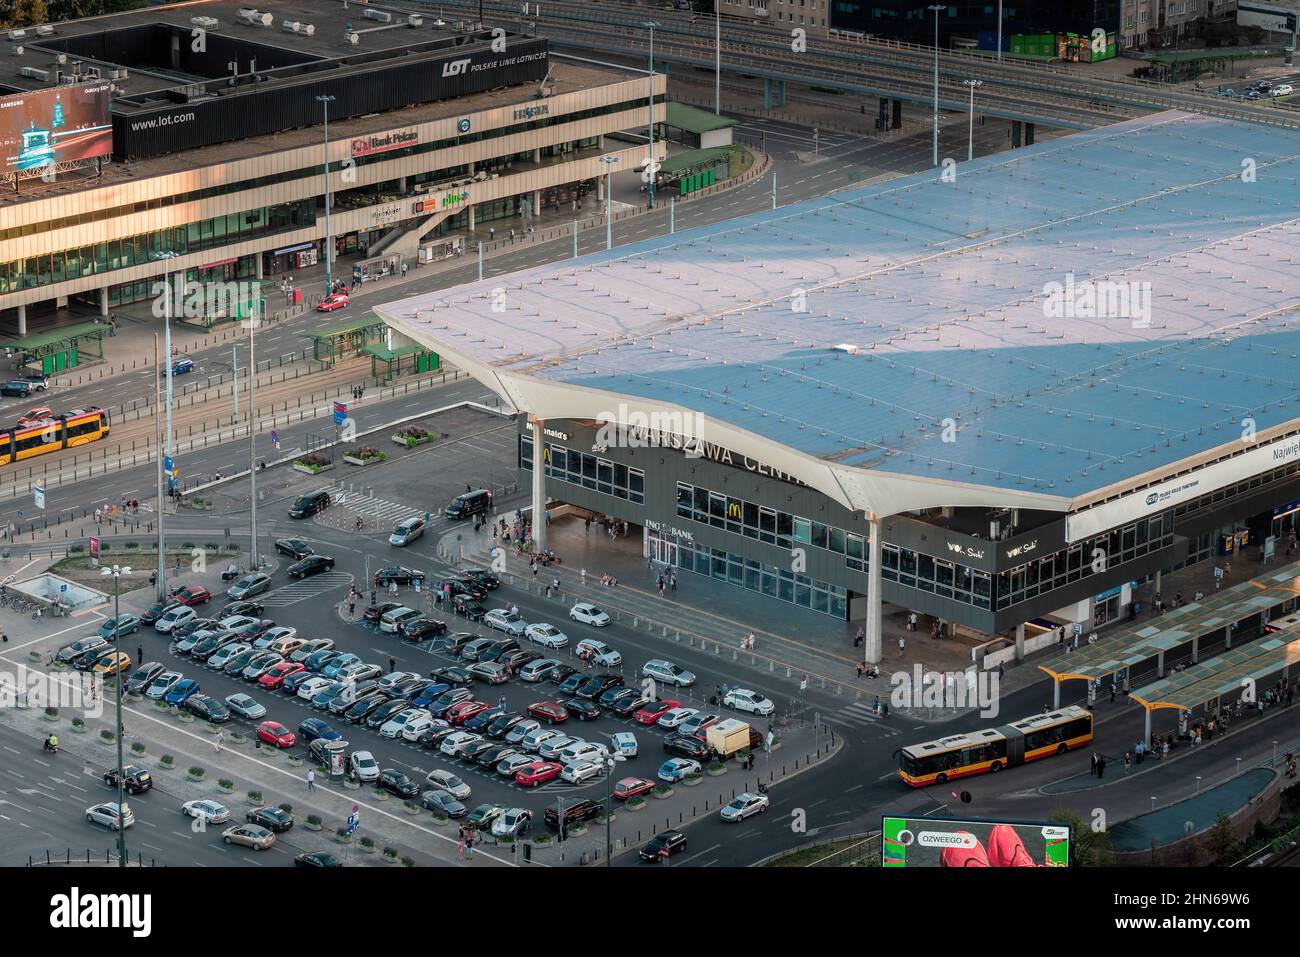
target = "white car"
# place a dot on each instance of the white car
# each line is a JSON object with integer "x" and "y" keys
{"x": 394, "y": 725}
{"x": 533, "y": 740}
{"x": 503, "y": 619}
{"x": 415, "y": 727}
{"x": 675, "y": 717}
{"x": 309, "y": 648}
{"x": 674, "y": 769}
{"x": 173, "y": 620}
{"x": 312, "y": 687}
{"x": 394, "y": 677}
{"x": 106, "y": 815}
{"x": 581, "y": 751}
{"x": 159, "y": 687}
{"x": 588, "y": 614}
{"x": 239, "y": 622}
{"x": 358, "y": 671}
{"x": 580, "y": 771}
{"x": 507, "y": 766}
{"x": 548, "y": 636}
{"x": 514, "y": 823}
{"x": 751, "y": 702}
{"x": 210, "y": 812}
{"x": 272, "y": 635}
{"x": 744, "y": 805}
{"x": 222, "y": 656}
{"x": 389, "y": 621}
{"x": 520, "y": 731}
{"x": 449, "y": 783}
{"x": 453, "y": 744}
{"x": 245, "y": 706}
{"x": 363, "y": 766}
{"x": 667, "y": 673}
{"x": 589, "y": 649}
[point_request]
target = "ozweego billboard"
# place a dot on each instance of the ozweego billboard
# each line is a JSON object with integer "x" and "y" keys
{"x": 45, "y": 127}
{"x": 946, "y": 842}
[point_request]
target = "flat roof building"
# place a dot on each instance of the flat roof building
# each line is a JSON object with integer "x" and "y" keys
{"x": 218, "y": 143}
{"x": 990, "y": 397}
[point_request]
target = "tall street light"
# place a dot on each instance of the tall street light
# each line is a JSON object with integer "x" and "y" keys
{"x": 935, "y": 9}
{"x": 117, "y": 571}
{"x": 611, "y": 763}
{"x": 970, "y": 134}
{"x": 165, "y": 463}
{"x": 999, "y": 31}
{"x": 650, "y": 120}
{"x": 325, "y": 102}
{"x": 609, "y": 162}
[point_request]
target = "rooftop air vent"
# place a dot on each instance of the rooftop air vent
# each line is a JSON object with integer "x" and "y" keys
{"x": 847, "y": 347}
{"x": 294, "y": 26}
{"x": 17, "y": 34}
{"x": 204, "y": 23}
{"x": 255, "y": 17}
{"x": 352, "y": 37}
{"x": 35, "y": 73}
{"x": 45, "y": 30}
{"x": 383, "y": 16}
{"x": 414, "y": 20}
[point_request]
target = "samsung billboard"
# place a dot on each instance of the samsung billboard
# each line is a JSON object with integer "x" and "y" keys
{"x": 63, "y": 125}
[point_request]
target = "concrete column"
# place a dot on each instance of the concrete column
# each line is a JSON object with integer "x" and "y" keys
{"x": 1056, "y": 694}
{"x": 780, "y": 92}
{"x": 471, "y": 219}
{"x": 22, "y": 320}
{"x": 872, "y": 646}
{"x": 1160, "y": 664}
{"x": 1020, "y": 642}
{"x": 767, "y": 93}
{"x": 1015, "y": 134}
{"x": 537, "y": 155}
{"x": 537, "y": 202}
{"x": 600, "y": 191}
{"x": 1196, "y": 649}
{"x": 1227, "y": 637}
{"x": 103, "y": 301}
{"x": 261, "y": 264}
{"x": 401, "y": 184}
{"x": 539, "y": 485}
{"x": 897, "y": 119}
{"x": 1146, "y": 725}
{"x": 1029, "y": 134}
{"x": 1157, "y": 581}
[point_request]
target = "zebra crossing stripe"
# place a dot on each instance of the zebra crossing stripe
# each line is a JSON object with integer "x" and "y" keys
{"x": 857, "y": 714}
{"x": 375, "y": 507}
{"x": 303, "y": 590}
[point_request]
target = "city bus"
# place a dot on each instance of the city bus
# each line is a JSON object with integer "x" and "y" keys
{"x": 78, "y": 427}
{"x": 993, "y": 749}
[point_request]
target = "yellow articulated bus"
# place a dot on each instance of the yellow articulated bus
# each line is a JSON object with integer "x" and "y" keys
{"x": 51, "y": 434}
{"x": 993, "y": 749}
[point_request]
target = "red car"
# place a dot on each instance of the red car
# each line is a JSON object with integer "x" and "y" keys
{"x": 631, "y": 787}
{"x": 192, "y": 595}
{"x": 552, "y": 712}
{"x": 654, "y": 711}
{"x": 273, "y": 732}
{"x": 464, "y": 710}
{"x": 36, "y": 416}
{"x": 275, "y": 677}
{"x": 337, "y": 301}
{"x": 539, "y": 772}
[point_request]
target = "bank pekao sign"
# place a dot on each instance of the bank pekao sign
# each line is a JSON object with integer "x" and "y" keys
{"x": 383, "y": 142}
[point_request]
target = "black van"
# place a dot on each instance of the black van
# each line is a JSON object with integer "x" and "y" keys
{"x": 470, "y": 504}
{"x": 309, "y": 504}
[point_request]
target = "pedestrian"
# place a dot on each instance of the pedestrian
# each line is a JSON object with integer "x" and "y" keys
{"x": 220, "y": 742}
{"x": 4, "y": 638}
{"x": 661, "y": 586}
{"x": 352, "y": 607}
{"x": 860, "y": 668}
{"x": 311, "y": 779}
{"x": 584, "y": 576}
{"x": 1112, "y": 692}
{"x": 1094, "y": 764}
{"x": 392, "y": 664}
{"x": 901, "y": 643}
{"x": 392, "y": 588}
{"x": 1128, "y": 762}
{"x": 1101, "y": 766}
{"x": 672, "y": 581}
{"x": 1002, "y": 672}
{"x": 859, "y": 638}
{"x": 492, "y": 233}
{"x": 469, "y": 848}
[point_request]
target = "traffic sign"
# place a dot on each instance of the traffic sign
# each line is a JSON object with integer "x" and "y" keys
{"x": 39, "y": 494}
{"x": 340, "y": 413}
{"x": 94, "y": 547}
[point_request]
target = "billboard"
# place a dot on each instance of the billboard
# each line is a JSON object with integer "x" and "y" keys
{"x": 62, "y": 125}
{"x": 947, "y": 842}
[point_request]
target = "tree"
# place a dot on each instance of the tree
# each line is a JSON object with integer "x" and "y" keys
{"x": 1088, "y": 848}
{"x": 1220, "y": 839}
{"x": 23, "y": 13}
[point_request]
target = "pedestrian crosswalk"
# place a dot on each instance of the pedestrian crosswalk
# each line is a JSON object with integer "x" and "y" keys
{"x": 372, "y": 507}
{"x": 295, "y": 592}
{"x": 860, "y": 713}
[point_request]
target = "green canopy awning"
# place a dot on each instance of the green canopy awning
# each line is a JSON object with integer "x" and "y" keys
{"x": 688, "y": 118}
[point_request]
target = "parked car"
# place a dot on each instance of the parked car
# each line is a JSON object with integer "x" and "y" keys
{"x": 142, "y": 677}
{"x": 467, "y": 607}
{"x": 363, "y": 708}
{"x": 172, "y": 619}
{"x": 249, "y": 585}
{"x": 444, "y": 802}
{"x": 245, "y": 706}
{"x": 687, "y": 746}
{"x": 363, "y": 767}
{"x": 207, "y": 708}
{"x": 273, "y": 732}
{"x": 119, "y": 626}
{"x": 449, "y": 782}
{"x": 490, "y": 672}
{"x": 631, "y": 787}
{"x": 396, "y": 782}
{"x": 162, "y": 684}
{"x": 572, "y": 811}
{"x": 515, "y": 823}
{"x": 192, "y": 595}
{"x": 551, "y": 712}
{"x": 181, "y": 690}
{"x": 503, "y": 619}
{"x": 537, "y": 772}
{"x": 665, "y": 672}
{"x": 749, "y": 702}
{"x": 675, "y": 769}
{"x": 546, "y": 635}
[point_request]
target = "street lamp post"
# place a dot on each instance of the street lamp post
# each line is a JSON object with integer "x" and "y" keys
{"x": 609, "y": 162}
{"x": 999, "y": 31}
{"x": 650, "y": 121}
{"x": 165, "y": 450}
{"x": 117, "y": 571}
{"x": 935, "y": 8}
{"x": 610, "y": 763}
{"x": 970, "y": 135}
{"x": 325, "y": 101}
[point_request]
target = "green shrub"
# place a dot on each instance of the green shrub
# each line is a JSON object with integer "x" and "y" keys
{"x": 132, "y": 545}
{"x": 314, "y": 820}
{"x": 78, "y": 723}
{"x": 286, "y": 808}
{"x": 226, "y": 784}
{"x": 391, "y": 853}
{"x": 408, "y": 862}
{"x": 255, "y": 797}
{"x": 197, "y": 772}
{"x": 167, "y": 759}
{"x": 106, "y": 734}
{"x": 51, "y": 712}
{"x": 138, "y": 748}
{"x": 367, "y": 842}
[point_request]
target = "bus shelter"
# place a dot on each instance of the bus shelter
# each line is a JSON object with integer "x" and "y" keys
{"x": 422, "y": 360}
{"x": 334, "y": 342}
{"x": 1234, "y": 615}
{"x": 59, "y": 349}
{"x": 1240, "y": 672}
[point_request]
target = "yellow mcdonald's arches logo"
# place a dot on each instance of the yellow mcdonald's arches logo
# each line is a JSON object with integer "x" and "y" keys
{"x": 733, "y": 510}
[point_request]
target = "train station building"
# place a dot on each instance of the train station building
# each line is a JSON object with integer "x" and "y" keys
{"x": 1003, "y": 399}
{"x": 194, "y": 138}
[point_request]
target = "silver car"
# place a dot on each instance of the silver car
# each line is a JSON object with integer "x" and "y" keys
{"x": 248, "y": 586}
